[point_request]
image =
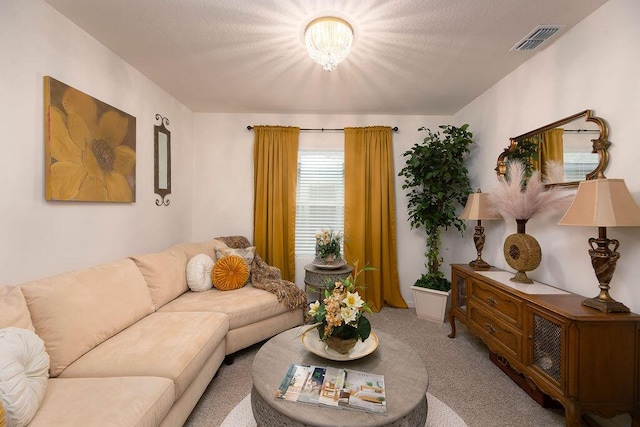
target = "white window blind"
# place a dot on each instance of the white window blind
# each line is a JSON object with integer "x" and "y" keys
{"x": 320, "y": 198}
{"x": 578, "y": 165}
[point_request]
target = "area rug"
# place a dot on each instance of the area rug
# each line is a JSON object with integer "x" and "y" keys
{"x": 438, "y": 415}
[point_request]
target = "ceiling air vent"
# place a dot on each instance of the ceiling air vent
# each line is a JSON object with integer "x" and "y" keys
{"x": 536, "y": 37}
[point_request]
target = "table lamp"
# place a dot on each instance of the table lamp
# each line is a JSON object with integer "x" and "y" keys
{"x": 479, "y": 207}
{"x": 603, "y": 203}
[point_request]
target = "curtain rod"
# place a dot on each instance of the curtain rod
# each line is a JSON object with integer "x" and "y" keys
{"x": 582, "y": 131}
{"x": 395, "y": 129}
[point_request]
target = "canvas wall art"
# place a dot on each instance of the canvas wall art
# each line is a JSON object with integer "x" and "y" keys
{"x": 90, "y": 147}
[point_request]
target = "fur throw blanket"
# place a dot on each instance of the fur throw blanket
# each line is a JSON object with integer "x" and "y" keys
{"x": 268, "y": 278}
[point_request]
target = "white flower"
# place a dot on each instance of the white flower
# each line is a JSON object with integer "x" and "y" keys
{"x": 353, "y": 300}
{"x": 348, "y": 314}
{"x": 313, "y": 308}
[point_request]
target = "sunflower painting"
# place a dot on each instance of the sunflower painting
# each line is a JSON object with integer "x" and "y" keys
{"x": 89, "y": 147}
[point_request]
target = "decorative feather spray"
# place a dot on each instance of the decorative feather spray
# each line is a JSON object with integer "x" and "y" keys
{"x": 519, "y": 198}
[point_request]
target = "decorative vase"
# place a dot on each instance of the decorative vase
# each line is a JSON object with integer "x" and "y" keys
{"x": 340, "y": 345}
{"x": 329, "y": 259}
{"x": 522, "y": 252}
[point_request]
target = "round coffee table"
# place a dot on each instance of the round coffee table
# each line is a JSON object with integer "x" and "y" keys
{"x": 405, "y": 376}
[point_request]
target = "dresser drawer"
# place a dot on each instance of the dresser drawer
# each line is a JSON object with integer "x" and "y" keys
{"x": 508, "y": 306}
{"x": 498, "y": 335}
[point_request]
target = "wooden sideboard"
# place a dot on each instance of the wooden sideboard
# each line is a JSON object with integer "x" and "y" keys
{"x": 587, "y": 360}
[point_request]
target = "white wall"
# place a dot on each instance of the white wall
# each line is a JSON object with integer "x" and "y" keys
{"x": 40, "y": 238}
{"x": 223, "y": 177}
{"x": 594, "y": 66}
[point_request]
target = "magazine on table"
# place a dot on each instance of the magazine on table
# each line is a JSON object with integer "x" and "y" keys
{"x": 302, "y": 383}
{"x": 334, "y": 387}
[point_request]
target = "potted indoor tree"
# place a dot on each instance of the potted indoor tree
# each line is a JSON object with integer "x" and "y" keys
{"x": 437, "y": 182}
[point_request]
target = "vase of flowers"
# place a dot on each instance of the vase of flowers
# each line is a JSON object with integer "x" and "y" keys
{"x": 328, "y": 246}
{"x": 339, "y": 318}
{"x": 520, "y": 197}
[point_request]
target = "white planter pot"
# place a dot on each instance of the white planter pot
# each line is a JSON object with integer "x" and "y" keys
{"x": 431, "y": 304}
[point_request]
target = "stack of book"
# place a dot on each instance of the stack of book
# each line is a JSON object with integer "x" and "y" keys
{"x": 334, "y": 387}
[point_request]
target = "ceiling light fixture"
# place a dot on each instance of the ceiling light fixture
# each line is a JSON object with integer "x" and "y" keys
{"x": 328, "y": 41}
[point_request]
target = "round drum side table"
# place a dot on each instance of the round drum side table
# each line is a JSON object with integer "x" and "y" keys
{"x": 316, "y": 279}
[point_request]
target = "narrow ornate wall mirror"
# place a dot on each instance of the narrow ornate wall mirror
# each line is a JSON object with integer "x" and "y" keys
{"x": 578, "y": 143}
{"x": 162, "y": 155}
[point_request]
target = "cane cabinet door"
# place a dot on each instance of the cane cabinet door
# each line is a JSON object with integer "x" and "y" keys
{"x": 546, "y": 352}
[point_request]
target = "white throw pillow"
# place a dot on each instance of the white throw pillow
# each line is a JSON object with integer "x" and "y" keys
{"x": 199, "y": 273}
{"x": 24, "y": 370}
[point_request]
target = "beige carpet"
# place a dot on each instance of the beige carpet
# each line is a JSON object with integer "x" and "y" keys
{"x": 460, "y": 375}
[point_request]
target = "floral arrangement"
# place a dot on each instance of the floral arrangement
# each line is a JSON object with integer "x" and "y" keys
{"x": 519, "y": 197}
{"x": 328, "y": 243}
{"x": 340, "y": 314}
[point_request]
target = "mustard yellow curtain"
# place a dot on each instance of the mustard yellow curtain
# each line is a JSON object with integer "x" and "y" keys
{"x": 369, "y": 213}
{"x": 275, "y": 157}
{"x": 537, "y": 164}
{"x": 551, "y": 148}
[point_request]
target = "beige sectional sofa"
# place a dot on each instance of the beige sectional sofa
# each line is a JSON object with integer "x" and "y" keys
{"x": 129, "y": 343}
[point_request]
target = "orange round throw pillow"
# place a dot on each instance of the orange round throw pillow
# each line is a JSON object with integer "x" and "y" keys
{"x": 230, "y": 272}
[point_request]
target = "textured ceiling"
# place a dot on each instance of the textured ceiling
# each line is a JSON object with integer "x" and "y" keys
{"x": 408, "y": 57}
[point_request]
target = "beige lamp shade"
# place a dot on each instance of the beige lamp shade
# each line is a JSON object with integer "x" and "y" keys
{"x": 603, "y": 203}
{"x": 479, "y": 206}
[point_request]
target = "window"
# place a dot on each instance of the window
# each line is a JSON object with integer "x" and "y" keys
{"x": 578, "y": 165}
{"x": 320, "y": 198}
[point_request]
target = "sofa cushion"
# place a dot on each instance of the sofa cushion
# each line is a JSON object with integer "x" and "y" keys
{"x": 199, "y": 273}
{"x": 13, "y": 309}
{"x": 168, "y": 345}
{"x": 208, "y": 248}
{"x": 165, "y": 273}
{"x": 229, "y": 273}
{"x": 117, "y": 401}
{"x": 247, "y": 254}
{"x": 244, "y": 306}
{"x": 24, "y": 370}
{"x": 243, "y": 337}
{"x": 74, "y": 312}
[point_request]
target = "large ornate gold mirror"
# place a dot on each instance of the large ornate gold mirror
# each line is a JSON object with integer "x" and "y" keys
{"x": 578, "y": 143}
{"x": 162, "y": 161}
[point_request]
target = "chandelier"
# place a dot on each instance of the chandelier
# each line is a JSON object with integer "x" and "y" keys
{"x": 328, "y": 41}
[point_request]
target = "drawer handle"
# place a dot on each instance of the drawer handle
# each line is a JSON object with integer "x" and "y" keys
{"x": 491, "y": 330}
{"x": 492, "y": 301}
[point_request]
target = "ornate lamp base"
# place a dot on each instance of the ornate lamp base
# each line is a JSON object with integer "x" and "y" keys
{"x": 478, "y": 240}
{"x": 612, "y": 306}
{"x": 604, "y": 257}
{"x": 480, "y": 264}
